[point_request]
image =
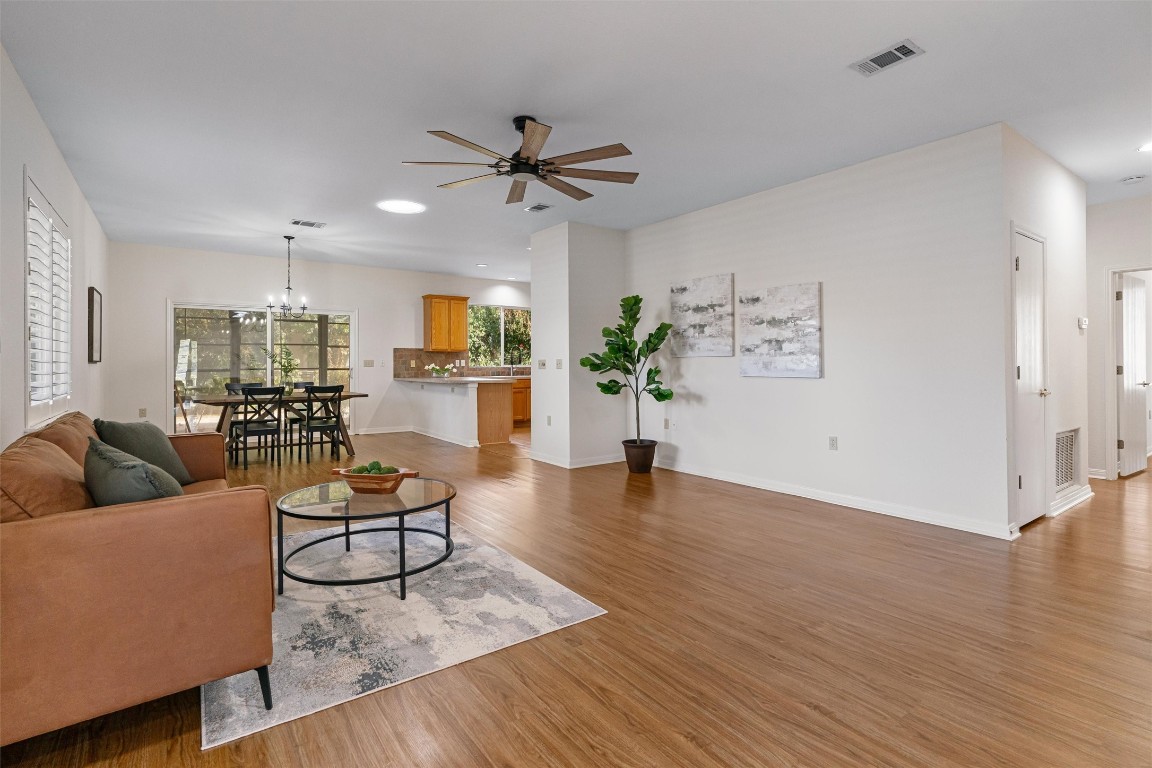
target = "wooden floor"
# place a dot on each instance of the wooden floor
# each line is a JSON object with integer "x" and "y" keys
{"x": 744, "y": 628}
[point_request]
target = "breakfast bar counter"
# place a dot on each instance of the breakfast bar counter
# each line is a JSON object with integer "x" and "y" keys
{"x": 466, "y": 410}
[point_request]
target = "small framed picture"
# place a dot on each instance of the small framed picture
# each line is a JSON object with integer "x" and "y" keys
{"x": 95, "y": 325}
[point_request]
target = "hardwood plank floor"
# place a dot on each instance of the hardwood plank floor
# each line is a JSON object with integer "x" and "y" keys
{"x": 744, "y": 628}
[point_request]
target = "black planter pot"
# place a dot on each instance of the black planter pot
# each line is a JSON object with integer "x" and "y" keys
{"x": 639, "y": 454}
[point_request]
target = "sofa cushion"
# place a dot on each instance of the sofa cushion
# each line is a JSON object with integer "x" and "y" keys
{"x": 204, "y": 486}
{"x": 71, "y": 432}
{"x": 116, "y": 477}
{"x": 39, "y": 478}
{"x": 146, "y": 441}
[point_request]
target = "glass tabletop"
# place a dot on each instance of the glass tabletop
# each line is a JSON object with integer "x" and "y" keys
{"x": 336, "y": 499}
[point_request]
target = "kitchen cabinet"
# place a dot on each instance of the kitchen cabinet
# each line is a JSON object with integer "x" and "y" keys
{"x": 522, "y": 400}
{"x": 445, "y": 323}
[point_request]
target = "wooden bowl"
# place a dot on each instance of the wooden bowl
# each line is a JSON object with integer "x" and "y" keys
{"x": 375, "y": 483}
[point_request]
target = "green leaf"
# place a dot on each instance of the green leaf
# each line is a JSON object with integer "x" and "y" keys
{"x": 610, "y": 387}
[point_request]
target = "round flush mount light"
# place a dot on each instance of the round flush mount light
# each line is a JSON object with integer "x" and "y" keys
{"x": 400, "y": 206}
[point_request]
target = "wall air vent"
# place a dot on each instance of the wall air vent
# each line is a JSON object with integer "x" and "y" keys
{"x": 1065, "y": 459}
{"x": 313, "y": 224}
{"x": 894, "y": 54}
{"x": 537, "y": 208}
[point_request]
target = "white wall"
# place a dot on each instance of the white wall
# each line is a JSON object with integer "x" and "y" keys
{"x": 28, "y": 143}
{"x": 387, "y": 303}
{"x": 1119, "y": 237}
{"x": 577, "y": 279}
{"x": 1046, "y": 199}
{"x": 911, "y": 250}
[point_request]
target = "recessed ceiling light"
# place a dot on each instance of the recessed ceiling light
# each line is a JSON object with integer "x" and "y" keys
{"x": 1146, "y": 148}
{"x": 481, "y": 265}
{"x": 400, "y": 206}
{"x": 511, "y": 278}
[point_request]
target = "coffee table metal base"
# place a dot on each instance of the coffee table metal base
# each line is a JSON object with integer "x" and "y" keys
{"x": 402, "y": 574}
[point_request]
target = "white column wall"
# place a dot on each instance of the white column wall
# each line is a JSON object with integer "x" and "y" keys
{"x": 1119, "y": 237}
{"x": 28, "y": 143}
{"x": 910, "y": 249}
{"x": 1045, "y": 198}
{"x": 551, "y": 428}
{"x": 388, "y": 306}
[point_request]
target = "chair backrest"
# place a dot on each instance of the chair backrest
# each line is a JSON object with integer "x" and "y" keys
{"x": 237, "y": 388}
{"x": 324, "y": 402}
{"x": 263, "y": 404}
{"x": 302, "y": 384}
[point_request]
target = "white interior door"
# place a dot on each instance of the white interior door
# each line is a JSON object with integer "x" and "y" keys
{"x": 1031, "y": 378}
{"x": 1131, "y": 374}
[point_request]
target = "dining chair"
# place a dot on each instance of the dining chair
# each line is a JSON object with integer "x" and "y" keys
{"x": 292, "y": 416}
{"x": 179, "y": 392}
{"x": 322, "y": 417}
{"x": 263, "y": 412}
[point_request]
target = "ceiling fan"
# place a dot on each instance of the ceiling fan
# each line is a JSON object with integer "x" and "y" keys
{"x": 525, "y": 164}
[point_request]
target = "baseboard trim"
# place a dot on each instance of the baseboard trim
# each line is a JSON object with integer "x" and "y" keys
{"x": 855, "y": 502}
{"x": 1097, "y": 474}
{"x": 1071, "y": 499}
{"x": 382, "y": 430}
{"x": 447, "y": 439}
{"x": 592, "y": 461}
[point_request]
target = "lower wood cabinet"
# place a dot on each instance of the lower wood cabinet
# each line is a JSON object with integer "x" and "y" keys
{"x": 522, "y": 400}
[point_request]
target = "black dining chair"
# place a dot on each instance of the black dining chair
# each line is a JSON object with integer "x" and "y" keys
{"x": 293, "y": 417}
{"x": 322, "y": 417}
{"x": 263, "y": 413}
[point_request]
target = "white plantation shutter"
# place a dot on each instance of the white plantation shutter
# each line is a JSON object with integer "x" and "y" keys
{"x": 48, "y": 299}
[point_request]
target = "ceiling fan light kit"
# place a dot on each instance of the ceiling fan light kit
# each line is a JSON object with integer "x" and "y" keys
{"x": 525, "y": 164}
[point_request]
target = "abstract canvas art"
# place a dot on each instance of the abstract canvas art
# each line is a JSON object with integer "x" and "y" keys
{"x": 780, "y": 332}
{"x": 702, "y": 323}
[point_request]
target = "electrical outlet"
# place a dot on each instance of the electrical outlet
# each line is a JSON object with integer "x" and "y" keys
{"x": 369, "y": 363}
{"x": 667, "y": 423}
{"x": 142, "y": 413}
{"x": 549, "y": 421}
{"x": 559, "y": 363}
{"x": 411, "y": 363}
{"x": 833, "y": 443}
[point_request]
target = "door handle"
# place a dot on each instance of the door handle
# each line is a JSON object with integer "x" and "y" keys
{"x": 1141, "y": 383}
{"x": 1044, "y": 393}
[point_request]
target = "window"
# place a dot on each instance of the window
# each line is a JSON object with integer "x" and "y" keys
{"x": 48, "y": 302}
{"x": 499, "y": 336}
{"x": 214, "y": 346}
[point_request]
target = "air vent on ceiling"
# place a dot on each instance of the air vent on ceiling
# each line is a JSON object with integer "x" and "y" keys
{"x": 537, "y": 208}
{"x": 1130, "y": 180}
{"x": 313, "y": 224}
{"x": 870, "y": 65}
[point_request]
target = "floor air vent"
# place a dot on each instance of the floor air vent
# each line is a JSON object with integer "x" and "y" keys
{"x": 1065, "y": 459}
{"x": 905, "y": 49}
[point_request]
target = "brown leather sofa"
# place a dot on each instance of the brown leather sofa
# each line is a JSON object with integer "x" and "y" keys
{"x": 102, "y": 608}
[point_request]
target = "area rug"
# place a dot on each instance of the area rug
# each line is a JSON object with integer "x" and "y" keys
{"x": 334, "y": 644}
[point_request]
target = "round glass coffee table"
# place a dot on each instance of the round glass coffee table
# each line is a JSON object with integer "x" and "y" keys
{"x": 335, "y": 501}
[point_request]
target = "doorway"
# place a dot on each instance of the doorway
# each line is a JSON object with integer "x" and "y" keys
{"x": 1130, "y": 338}
{"x": 1029, "y": 406}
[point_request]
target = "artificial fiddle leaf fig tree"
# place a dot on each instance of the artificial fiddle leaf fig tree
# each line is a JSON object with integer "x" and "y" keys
{"x": 626, "y": 356}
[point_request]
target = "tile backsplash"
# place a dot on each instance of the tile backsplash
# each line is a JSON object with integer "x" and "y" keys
{"x": 402, "y": 358}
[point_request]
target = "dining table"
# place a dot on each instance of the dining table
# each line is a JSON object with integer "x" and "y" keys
{"x": 293, "y": 399}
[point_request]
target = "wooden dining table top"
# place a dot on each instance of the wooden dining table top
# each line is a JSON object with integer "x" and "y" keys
{"x": 296, "y": 396}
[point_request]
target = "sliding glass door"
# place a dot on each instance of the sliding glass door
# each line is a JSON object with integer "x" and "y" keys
{"x": 213, "y": 346}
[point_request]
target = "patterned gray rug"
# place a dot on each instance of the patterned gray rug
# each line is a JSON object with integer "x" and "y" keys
{"x": 333, "y": 644}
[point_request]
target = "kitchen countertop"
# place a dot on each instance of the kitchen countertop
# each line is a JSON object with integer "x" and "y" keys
{"x": 464, "y": 379}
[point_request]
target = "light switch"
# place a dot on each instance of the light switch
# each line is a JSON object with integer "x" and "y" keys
{"x": 559, "y": 363}
{"x": 541, "y": 364}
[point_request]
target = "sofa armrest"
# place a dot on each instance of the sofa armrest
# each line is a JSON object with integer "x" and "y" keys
{"x": 202, "y": 454}
{"x": 109, "y": 607}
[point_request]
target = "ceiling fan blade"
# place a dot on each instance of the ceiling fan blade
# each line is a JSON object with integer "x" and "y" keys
{"x": 588, "y": 155}
{"x": 566, "y": 188}
{"x": 516, "y": 193}
{"x": 535, "y": 134}
{"x": 622, "y": 177}
{"x": 422, "y": 162}
{"x": 465, "y": 143}
{"x": 462, "y": 182}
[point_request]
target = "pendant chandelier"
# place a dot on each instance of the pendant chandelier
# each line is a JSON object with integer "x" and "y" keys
{"x": 285, "y": 311}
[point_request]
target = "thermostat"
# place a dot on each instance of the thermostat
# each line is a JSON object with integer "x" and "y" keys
{"x": 1082, "y": 323}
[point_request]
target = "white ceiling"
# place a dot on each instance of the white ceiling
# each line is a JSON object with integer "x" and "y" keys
{"x": 212, "y": 124}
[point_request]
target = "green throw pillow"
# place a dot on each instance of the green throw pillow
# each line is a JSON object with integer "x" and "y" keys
{"x": 146, "y": 441}
{"x": 116, "y": 477}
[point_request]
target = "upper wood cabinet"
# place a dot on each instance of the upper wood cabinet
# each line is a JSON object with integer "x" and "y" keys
{"x": 445, "y": 323}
